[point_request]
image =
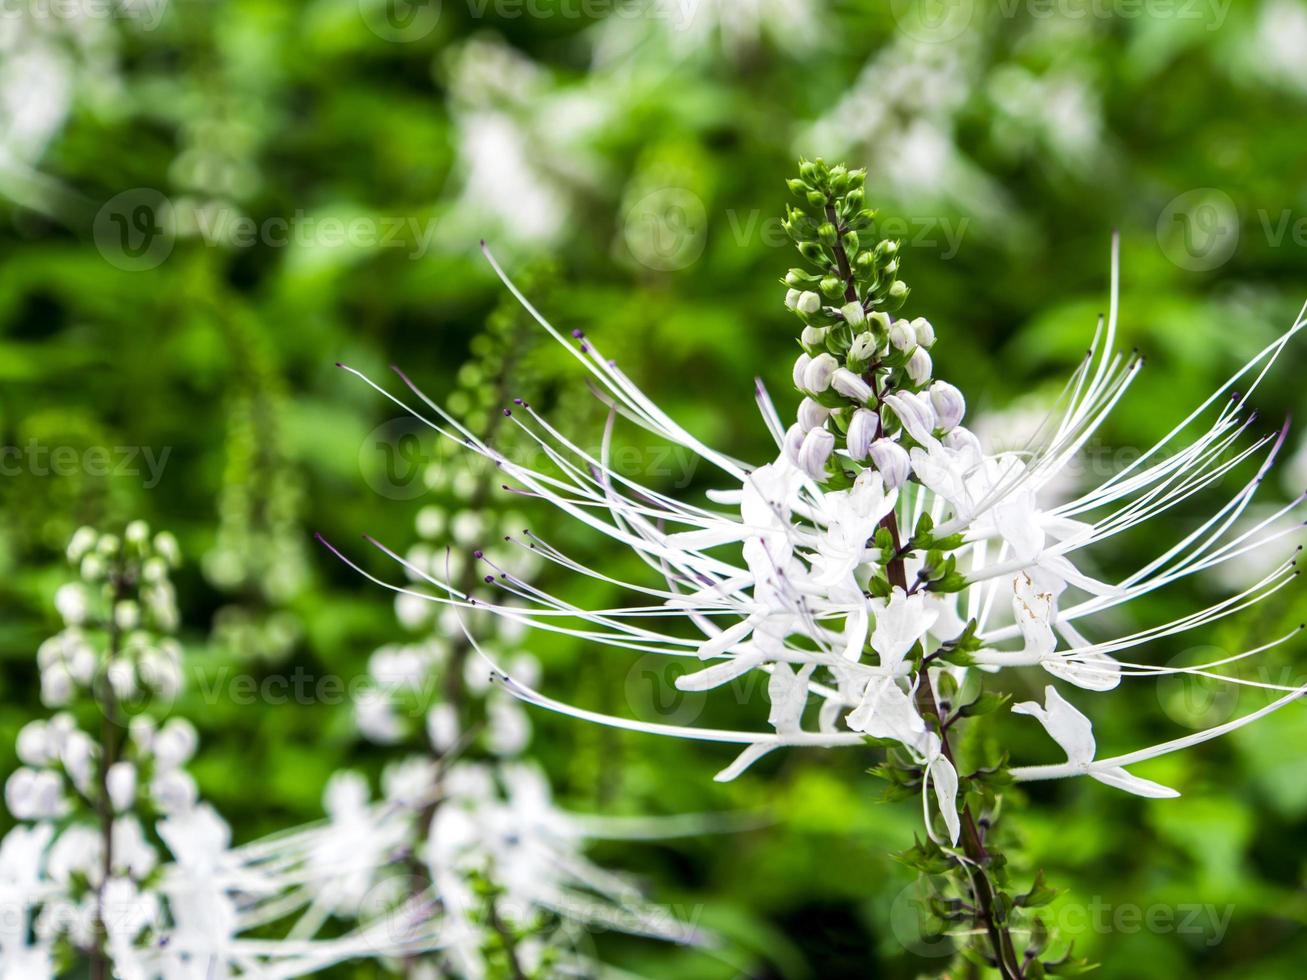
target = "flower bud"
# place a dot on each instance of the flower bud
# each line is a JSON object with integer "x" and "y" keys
{"x": 924, "y": 331}
{"x": 83, "y": 541}
{"x": 792, "y": 441}
{"x": 851, "y": 386}
{"x": 808, "y": 303}
{"x": 863, "y": 348}
{"x": 126, "y": 614}
{"x": 919, "y": 366}
{"x": 853, "y": 313}
{"x": 862, "y": 431}
{"x": 120, "y": 781}
{"x": 800, "y": 366}
{"x": 815, "y": 451}
{"x": 71, "y": 603}
{"x": 174, "y": 743}
{"x": 173, "y": 791}
{"x": 816, "y": 377}
{"x": 137, "y": 533}
{"x": 33, "y": 744}
{"x": 901, "y": 335}
{"x": 792, "y": 299}
{"x": 891, "y": 461}
{"x": 898, "y": 292}
{"x": 948, "y": 403}
{"x": 165, "y": 544}
{"x": 812, "y": 415}
{"x": 813, "y": 336}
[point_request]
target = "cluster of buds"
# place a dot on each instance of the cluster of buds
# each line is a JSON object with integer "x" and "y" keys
{"x": 118, "y": 618}
{"x": 866, "y": 376}
{"x": 101, "y": 784}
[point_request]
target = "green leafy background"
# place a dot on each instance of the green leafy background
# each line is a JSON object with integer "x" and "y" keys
{"x": 644, "y": 162}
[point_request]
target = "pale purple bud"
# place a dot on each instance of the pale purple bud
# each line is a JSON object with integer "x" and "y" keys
{"x": 792, "y": 441}
{"x": 891, "y": 461}
{"x": 851, "y": 386}
{"x": 919, "y": 366}
{"x": 815, "y": 451}
{"x": 924, "y": 331}
{"x": 816, "y": 378}
{"x": 812, "y": 415}
{"x": 902, "y": 336}
{"x": 800, "y": 366}
{"x": 862, "y": 430}
{"x": 948, "y": 403}
{"x": 915, "y": 412}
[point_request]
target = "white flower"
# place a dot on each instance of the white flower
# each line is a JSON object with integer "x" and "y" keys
{"x": 774, "y": 569}
{"x": 1073, "y": 732}
{"x": 808, "y": 302}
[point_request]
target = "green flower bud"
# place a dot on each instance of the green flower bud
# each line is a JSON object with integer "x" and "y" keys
{"x": 812, "y": 252}
{"x": 832, "y": 287}
{"x": 853, "y": 314}
{"x": 853, "y": 199}
{"x": 809, "y": 171}
{"x": 817, "y": 199}
{"x": 887, "y": 249}
{"x": 897, "y": 293}
{"x": 798, "y": 187}
{"x": 850, "y": 242}
{"x": 827, "y": 233}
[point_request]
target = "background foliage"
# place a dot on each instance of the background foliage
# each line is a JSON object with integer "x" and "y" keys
{"x": 640, "y": 149}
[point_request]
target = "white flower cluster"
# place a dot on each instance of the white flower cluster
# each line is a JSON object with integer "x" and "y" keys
{"x": 459, "y": 863}
{"x": 884, "y": 549}
{"x": 117, "y": 861}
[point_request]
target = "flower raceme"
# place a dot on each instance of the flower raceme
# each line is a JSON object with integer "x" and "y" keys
{"x": 883, "y": 557}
